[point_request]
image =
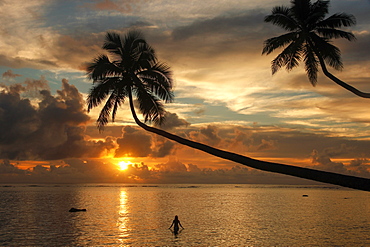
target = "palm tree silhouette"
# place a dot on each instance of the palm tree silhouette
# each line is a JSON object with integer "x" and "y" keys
{"x": 308, "y": 38}
{"x": 135, "y": 71}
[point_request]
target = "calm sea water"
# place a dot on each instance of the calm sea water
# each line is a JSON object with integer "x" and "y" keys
{"x": 212, "y": 215}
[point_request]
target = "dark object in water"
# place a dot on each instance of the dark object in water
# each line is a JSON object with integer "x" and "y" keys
{"x": 77, "y": 210}
{"x": 305, "y": 195}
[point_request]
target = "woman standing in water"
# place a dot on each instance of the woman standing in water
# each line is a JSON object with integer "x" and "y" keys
{"x": 176, "y": 223}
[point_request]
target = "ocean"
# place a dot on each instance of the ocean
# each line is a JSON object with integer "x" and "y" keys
{"x": 212, "y": 215}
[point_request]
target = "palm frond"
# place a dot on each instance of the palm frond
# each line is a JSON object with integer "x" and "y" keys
{"x": 331, "y": 33}
{"x": 300, "y": 10}
{"x": 101, "y": 68}
{"x": 132, "y": 38}
{"x": 158, "y": 79}
{"x": 332, "y": 56}
{"x": 103, "y": 118}
{"x": 276, "y": 42}
{"x": 131, "y": 41}
{"x": 135, "y": 69}
{"x": 134, "y": 46}
{"x": 146, "y": 57}
{"x": 337, "y": 20}
{"x": 289, "y": 57}
{"x": 311, "y": 64}
{"x": 99, "y": 92}
{"x": 113, "y": 43}
{"x": 330, "y": 53}
{"x": 318, "y": 10}
{"x": 150, "y": 106}
{"x": 121, "y": 95}
{"x": 281, "y": 16}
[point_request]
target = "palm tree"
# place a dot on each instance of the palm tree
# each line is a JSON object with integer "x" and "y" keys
{"x": 135, "y": 71}
{"x": 308, "y": 38}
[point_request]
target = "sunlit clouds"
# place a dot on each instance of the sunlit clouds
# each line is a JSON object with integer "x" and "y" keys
{"x": 225, "y": 95}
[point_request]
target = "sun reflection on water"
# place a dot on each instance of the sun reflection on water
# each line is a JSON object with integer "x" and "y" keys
{"x": 122, "y": 216}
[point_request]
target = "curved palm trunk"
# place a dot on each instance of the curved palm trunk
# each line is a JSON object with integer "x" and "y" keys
{"x": 335, "y": 79}
{"x": 320, "y": 176}
{"x": 340, "y": 82}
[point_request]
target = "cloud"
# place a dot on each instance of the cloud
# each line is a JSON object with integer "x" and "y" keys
{"x": 29, "y": 42}
{"x": 172, "y": 120}
{"x": 65, "y": 171}
{"x": 210, "y": 135}
{"x": 134, "y": 143}
{"x": 171, "y": 166}
{"x": 266, "y": 145}
{"x": 162, "y": 147}
{"x": 126, "y": 6}
{"x": 223, "y": 24}
{"x": 54, "y": 129}
{"x": 323, "y": 161}
{"x": 74, "y": 51}
{"x": 33, "y": 86}
{"x": 22, "y": 62}
{"x": 9, "y": 74}
{"x": 173, "y": 171}
{"x": 9, "y": 169}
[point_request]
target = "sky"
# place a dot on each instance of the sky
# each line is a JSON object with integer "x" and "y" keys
{"x": 225, "y": 95}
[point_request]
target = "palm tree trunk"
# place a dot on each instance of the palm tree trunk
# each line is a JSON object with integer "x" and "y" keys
{"x": 340, "y": 82}
{"x": 320, "y": 176}
{"x": 335, "y": 79}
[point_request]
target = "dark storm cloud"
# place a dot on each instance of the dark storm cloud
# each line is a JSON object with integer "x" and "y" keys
{"x": 52, "y": 130}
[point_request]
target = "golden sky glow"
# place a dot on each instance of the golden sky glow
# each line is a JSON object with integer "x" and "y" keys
{"x": 123, "y": 165}
{"x": 225, "y": 95}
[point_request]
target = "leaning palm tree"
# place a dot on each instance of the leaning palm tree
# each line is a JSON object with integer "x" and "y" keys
{"x": 308, "y": 38}
{"x": 133, "y": 71}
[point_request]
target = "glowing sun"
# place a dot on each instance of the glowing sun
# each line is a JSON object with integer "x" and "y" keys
{"x": 123, "y": 165}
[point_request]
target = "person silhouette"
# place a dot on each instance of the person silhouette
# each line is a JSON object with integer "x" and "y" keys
{"x": 176, "y": 223}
